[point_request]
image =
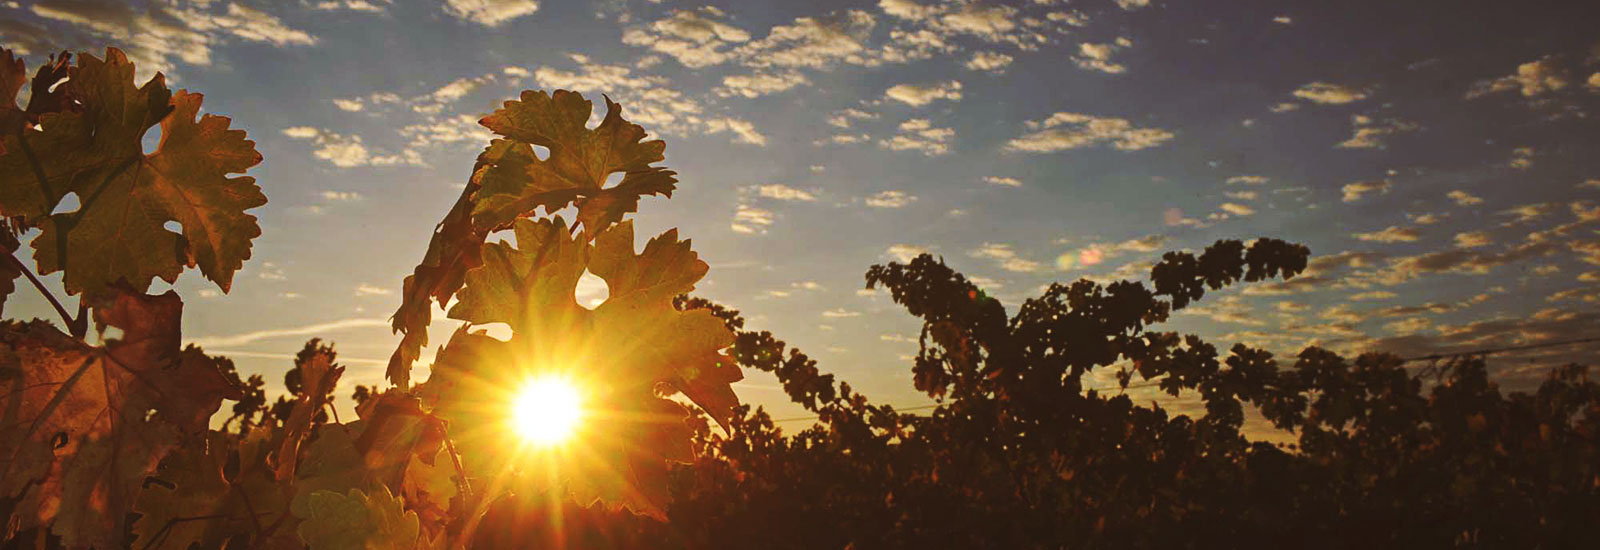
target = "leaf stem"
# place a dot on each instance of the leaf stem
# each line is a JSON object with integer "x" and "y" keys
{"x": 72, "y": 324}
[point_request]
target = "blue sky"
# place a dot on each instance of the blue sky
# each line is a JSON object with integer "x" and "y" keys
{"x": 1437, "y": 157}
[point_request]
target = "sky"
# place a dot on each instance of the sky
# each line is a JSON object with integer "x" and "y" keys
{"x": 1437, "y": 157}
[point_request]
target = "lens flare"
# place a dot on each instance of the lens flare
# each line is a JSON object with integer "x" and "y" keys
{"x": 547, "y": 411}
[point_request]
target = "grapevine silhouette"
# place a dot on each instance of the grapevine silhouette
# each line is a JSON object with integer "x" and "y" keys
{"x": 116, "y": 442}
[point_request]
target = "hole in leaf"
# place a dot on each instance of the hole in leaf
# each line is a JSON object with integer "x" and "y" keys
{"x": 613, "y": 180}
{"x": 542, "y": 152}
{"x": 569, "y": 213}
{"x": 592, "y": 290}
{"x": 498, "y": 331}
{"x": 151, "y": 140}
{"x": 68, "y": 204}
{"x": 173, "y": 226}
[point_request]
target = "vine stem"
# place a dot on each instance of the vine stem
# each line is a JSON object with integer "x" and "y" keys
{"x": 78, "y": 326}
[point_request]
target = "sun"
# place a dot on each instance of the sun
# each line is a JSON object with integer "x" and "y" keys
{"x": 547, "y": 410}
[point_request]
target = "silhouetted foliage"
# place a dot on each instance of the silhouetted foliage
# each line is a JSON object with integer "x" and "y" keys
{"x": 1019, "y": 454}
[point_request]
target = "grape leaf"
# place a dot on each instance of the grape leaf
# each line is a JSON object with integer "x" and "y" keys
{"x": 509, "y": 181}
{"x": 358, "y": 521}
{"x": 580, "y": 161}
{"x": 45, "y": 96}
{"x": 318, "y": 377}
{"x": 10, "y": 267}
{"x": 624, "y": 353}
{"x": 13, "y": 75}
{"x": 80, "y": 426}
{"x": 126, "y": 197}
{"x": 183, "y": 505}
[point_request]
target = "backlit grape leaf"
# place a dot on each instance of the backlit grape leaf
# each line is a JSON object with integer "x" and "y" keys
{"x": 80, "y": 427}
{"x": 331, "y": 463}
{"x": 623, "y": 354}
{"x": 580, "y": 160}
{"x": 689, "y": 342}
{"x": 125, "y": 196}
{"x": 510, "y": 181}
{"x": 179, "y": 509}
{"x": 359, "y": 520}
{"x": 397, "y": 432}
{"x": 44, "y": 97}
{"x": 318, "y": 376}
{"x": 209, "y": 493}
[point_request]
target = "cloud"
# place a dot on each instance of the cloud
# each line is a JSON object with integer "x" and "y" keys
{"x": 1522, "y": 158}
{"x": 907, "y": 9}
{"x": 490, "y": 13}
{"x": 759, "y": 84}
{"x": 1369, "y": 133}
{"x": 1228, "y": 309}
{"x": 1247, "y": 180}
{"x": 1355, "y": 191}
{"x": 890, "y": 199}
{"x": 1458, "y": 260}
{"x": 1131, "y": 5}
{"x": 1006, "y": 257}
{"x": 317, "y": 329}
{"x": 1472, "y": 239}
{"x": 253, "y": 25}
{"x": 783, "y": 192}
{"x": 1532, "y": 79}
{"x": 155, "y": 36}
{"x": 340, "y": 196}
{"x": 458, "y": 88}
{"x": 918, "y": 96}
{"x": 1391, "y": 234}
{"x": 649, "y": 99}
{"x": 989, "y": 22}
{"x": 844, "y": 118}
{"x": 814, "y": 42}
{"x": 1372, "y": 295}
{"x": 373, "y": 6}
{"x": 918, "y": 134}
{"x": 749, "y": 219}
{"x": 904, "y": 253}
{"x": 1528, "y": 212}
{"x": 1330, "y": 94}
{"x": 348, "y": 151}
{"x": 439, "y": 130}
{"x": 1463, "y": 198}
{"x": 695, "y": 38}
{"x": 1063, "y": 131}
{"x": 743, "y": 130}
{"x": 993, "y": 62}
{"x": 1237, "y": 209}
{"x": 837, "y": 313}
{"x": 843, "y": 139}
{"x": 1098, "y": 56}
{"x": 1002, "y": 180}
